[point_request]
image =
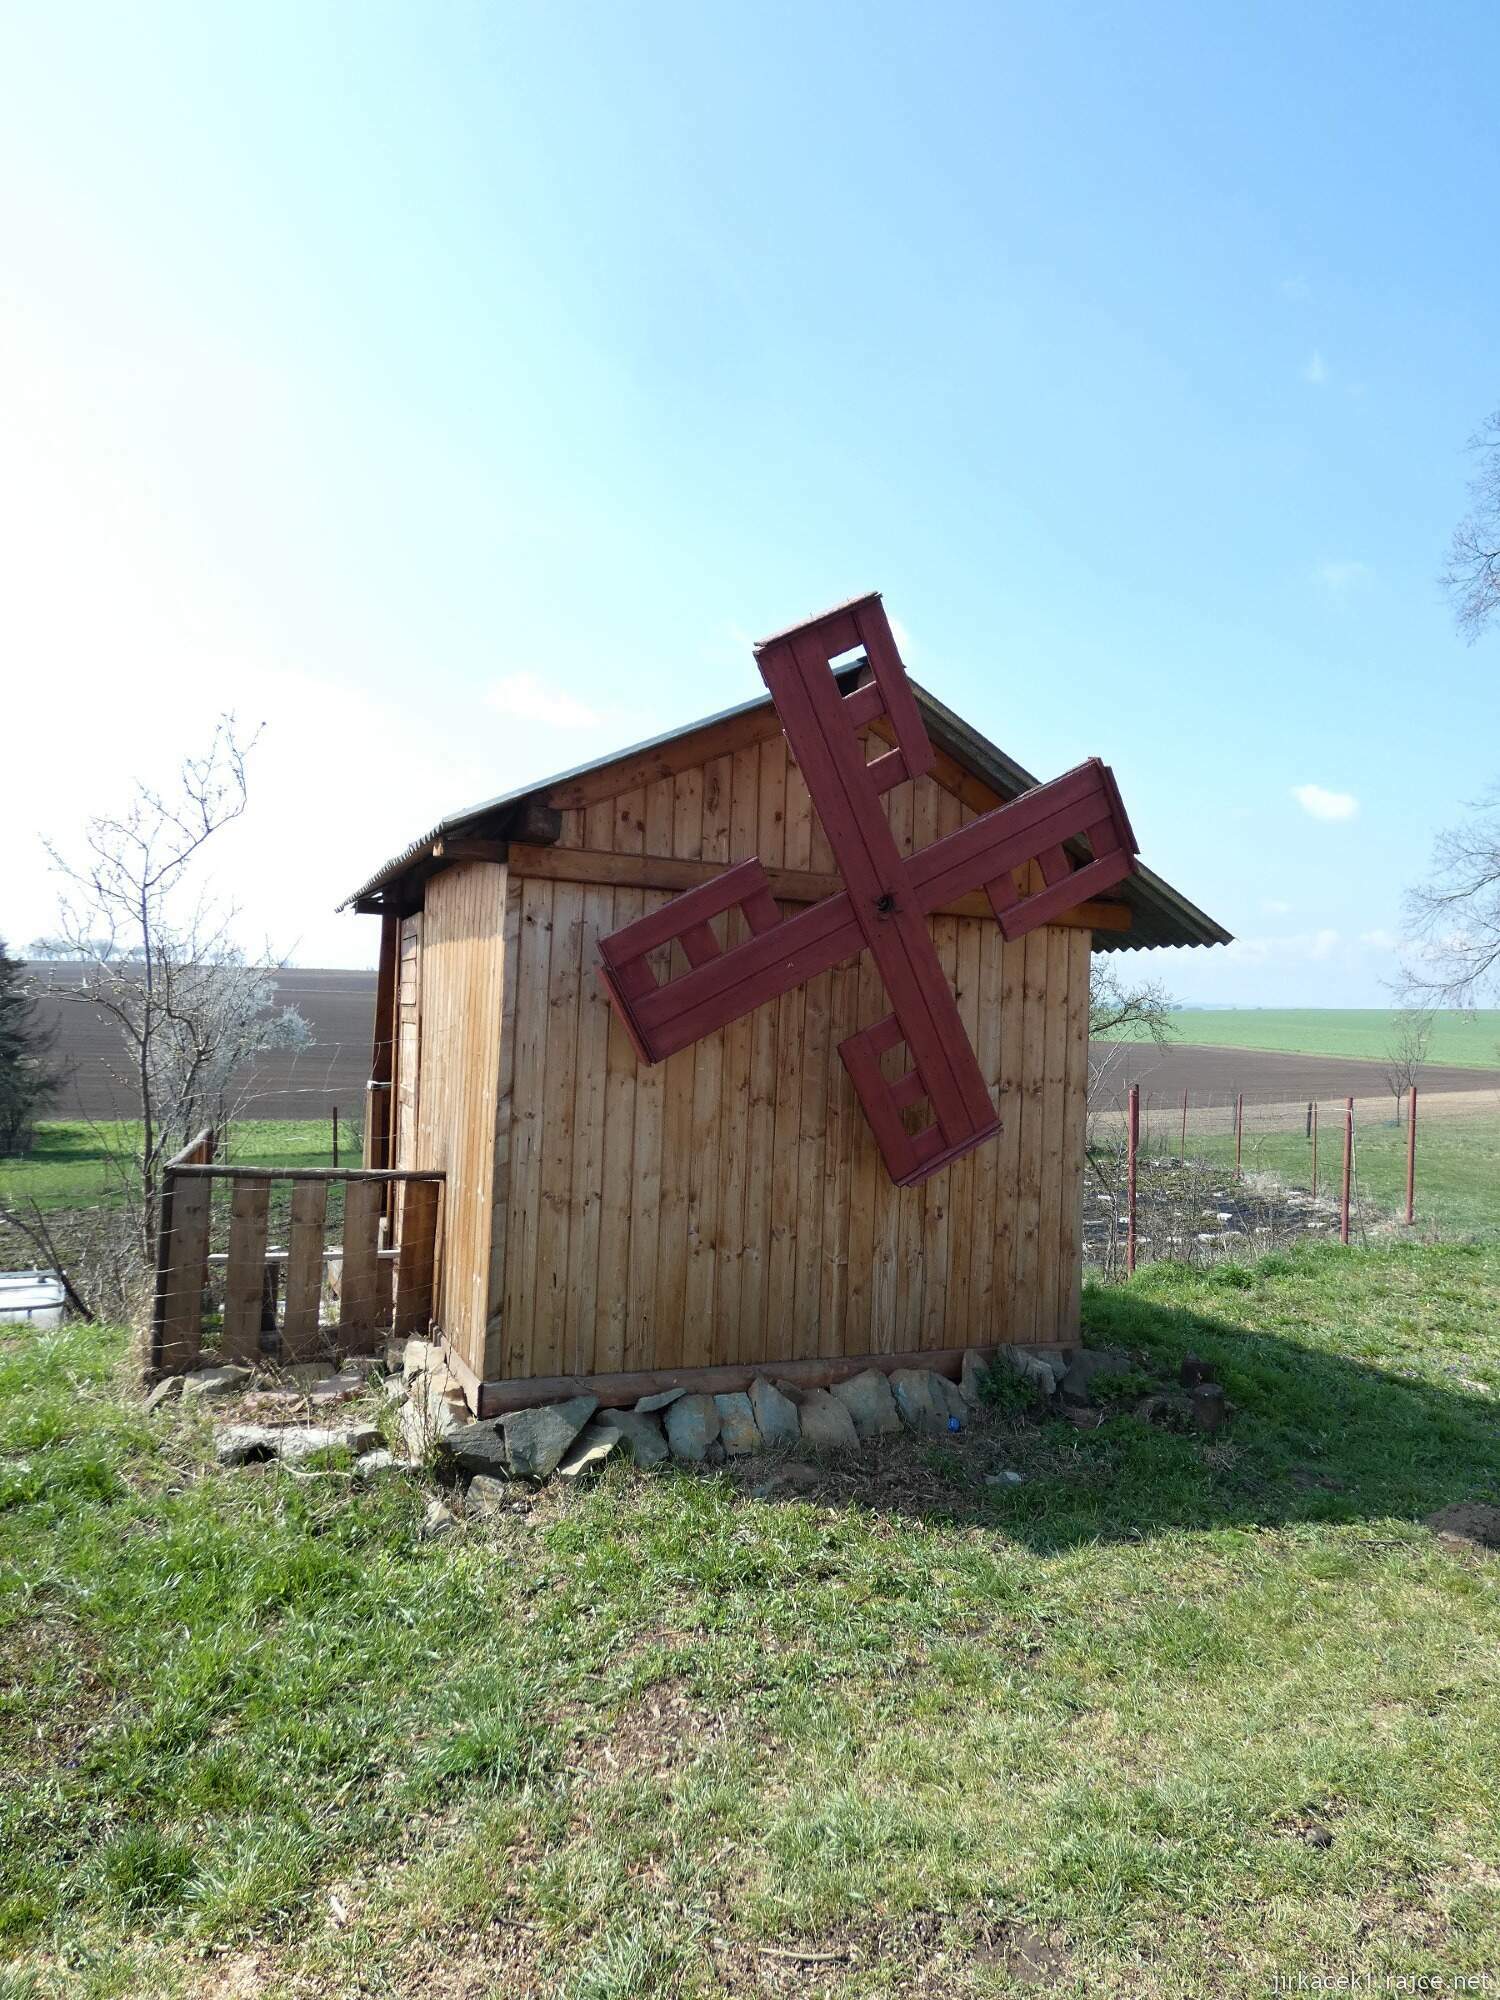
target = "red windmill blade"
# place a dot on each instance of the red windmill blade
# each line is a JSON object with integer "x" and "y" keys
{"x": 885, "y": 902}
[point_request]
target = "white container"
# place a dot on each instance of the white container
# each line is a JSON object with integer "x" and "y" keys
{"x": 34, "y": 1296}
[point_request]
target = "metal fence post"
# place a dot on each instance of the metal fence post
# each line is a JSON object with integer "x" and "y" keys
{"x": 1411, "y": 1157}
{"x": 1239, "y": 1129}
{"x": 335, "y": 1135}
{"x": 1313, "y": 1128}
{"x": 1348, "y": 1168}
{"x": 1133, "y": 1142}
{"x": 1184, "y": 1126}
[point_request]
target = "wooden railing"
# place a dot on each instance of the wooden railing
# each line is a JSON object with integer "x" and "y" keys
{"x": 226, "y": 1290}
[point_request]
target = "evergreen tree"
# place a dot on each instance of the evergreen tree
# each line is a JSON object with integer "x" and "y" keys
{"x": 28, "y": 1077}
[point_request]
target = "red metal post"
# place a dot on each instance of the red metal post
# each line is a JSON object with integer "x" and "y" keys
{"x": 1134, "y": 1144}
{"x": 1411, "y": 1157}
{"x": 1183, "y": 1154}
{"x": 1348, "y": 1169}
{"x": 1239, "y": 1129}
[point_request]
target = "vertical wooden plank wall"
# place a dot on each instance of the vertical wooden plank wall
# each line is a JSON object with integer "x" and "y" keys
{"x": 462, "y": 990}
{"x": 729, "y": 1204}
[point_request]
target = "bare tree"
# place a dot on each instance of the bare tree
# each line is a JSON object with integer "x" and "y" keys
{"x": 1121, "y": 1012}
{"x": 1472, "y": 577}
{"x": 1406, "y": 1052}
{"x": 158, "y": 962}
{"x": 1453, "y": 918}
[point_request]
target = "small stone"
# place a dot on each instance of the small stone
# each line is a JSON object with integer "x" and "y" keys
{"x": 826, "y": 1423}
{"x": 971, "y": 1377}
{"x": 393, "y": 1389}
{"x": 775, "y": 1414}
{"x": 1006, "y": 1478}
{"x": 418, "y": 1356}
{"x": 948, "y": 1397}
{"x": 439, "y": 1399}
{"x": 375, "y": 1464}
{"x": 692, "y": 1426}
{"x": 591, "y": 1447}
{"x": 868, "y": 1399}
{"x": 535, "y": 1440}
{"x": 362, "y": 1365}
{"x": 246, "y": 1444}
{"x": 662, "y": 1400}
{"x": 1082, "y": 1417}
{"x": 477, "y": 1448}
{"x": 716, "y": 1454}
{"x": 486, "y": 1497}
{"x": 208, "y": 1385}
{"x": 737, "y": 1428}
{"x": 797, "y": 1477}
{"x": 299, "y": 1441}
{"x": 643, "y": 1435}
{"x": 438, "y": 1520}
{"x": 334, "y": 1389}
{"x": 168, "y": 1387}
{"x": 1043, "y": 1374}
{"x": 1210, "y": 1409}
{"x": 1085, "y": 1365}
{"x": 912, "y": 1389}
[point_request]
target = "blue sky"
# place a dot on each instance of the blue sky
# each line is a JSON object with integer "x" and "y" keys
{"x": 458, "y": 389}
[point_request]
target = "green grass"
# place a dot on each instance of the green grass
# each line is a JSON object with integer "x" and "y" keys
{"x": 73, "y": 1165}
{"x": 1458, "y": 1167}
{"x": 1196, "y": 1713}
{"x": 1471, "y": 1041}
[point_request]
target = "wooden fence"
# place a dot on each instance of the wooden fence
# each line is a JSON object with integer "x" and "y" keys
{"x": 309, "y": 1299}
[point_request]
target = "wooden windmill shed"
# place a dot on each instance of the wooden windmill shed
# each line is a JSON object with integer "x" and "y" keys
{"x": 726, "y": 1208}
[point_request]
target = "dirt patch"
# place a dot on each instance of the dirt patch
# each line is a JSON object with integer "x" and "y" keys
{"x": 928, "y": 1954}
{"x": 1472, "y": 1524}
{"x": 655, "y": 1734}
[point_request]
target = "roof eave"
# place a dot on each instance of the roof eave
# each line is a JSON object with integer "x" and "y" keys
{"x": 1161, "y": 915}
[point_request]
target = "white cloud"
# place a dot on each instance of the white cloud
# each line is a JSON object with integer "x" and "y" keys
{"x": 1297, "y": 948}
{"x": 1339, "y": 577}
{"x": 1321, "y": 804}
{"x": 1273, "y": 906}
{"x": 1380, "y": 940}
{"x": 529, "y": 699}
{"x": 1315, "y": 370}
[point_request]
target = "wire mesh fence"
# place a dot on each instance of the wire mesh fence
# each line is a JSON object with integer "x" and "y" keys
{"x": 1224, "y": 1177}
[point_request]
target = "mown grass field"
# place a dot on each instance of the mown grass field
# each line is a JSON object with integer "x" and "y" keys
{"x": 74, "y": 1164}
{"x": 1173, "y": 1717}
{"x": 1469, "y": 1040}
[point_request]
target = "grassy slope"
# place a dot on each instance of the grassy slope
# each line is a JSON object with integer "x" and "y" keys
{"x": 1468, "y": 1040}
{"x": 72, "y": 1165}
{"x": 640, "y": 1741}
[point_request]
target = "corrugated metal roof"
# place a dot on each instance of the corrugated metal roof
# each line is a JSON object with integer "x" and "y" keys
{"x": 1161, "y": 915}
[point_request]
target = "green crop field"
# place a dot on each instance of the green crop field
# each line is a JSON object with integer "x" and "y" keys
{"x": 1469, "y": 1040}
